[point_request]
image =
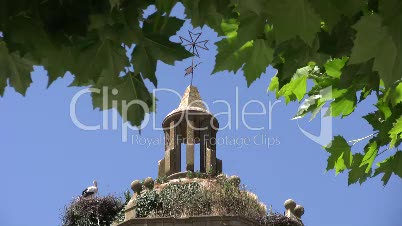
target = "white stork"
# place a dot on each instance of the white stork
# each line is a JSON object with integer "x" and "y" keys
{"x": 90, "y": 191}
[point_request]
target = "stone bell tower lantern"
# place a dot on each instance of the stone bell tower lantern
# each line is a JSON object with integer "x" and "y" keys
{"x": 191, "y": 123}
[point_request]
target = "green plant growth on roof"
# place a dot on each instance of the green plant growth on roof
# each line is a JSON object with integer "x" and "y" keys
{"x": 202, "y": 197}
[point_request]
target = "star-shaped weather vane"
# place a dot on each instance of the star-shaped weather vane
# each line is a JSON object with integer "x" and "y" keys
{"x": 193, "y": 44}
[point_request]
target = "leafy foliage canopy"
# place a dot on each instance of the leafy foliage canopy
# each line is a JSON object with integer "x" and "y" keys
{"x": 352, "y": 48}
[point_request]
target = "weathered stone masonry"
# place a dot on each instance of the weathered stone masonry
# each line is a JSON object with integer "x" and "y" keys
{"x": 191, "y": 123}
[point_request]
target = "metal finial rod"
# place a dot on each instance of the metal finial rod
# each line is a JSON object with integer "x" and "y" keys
{"x": 192, "y": 71}
{"x": 193, "y": 45}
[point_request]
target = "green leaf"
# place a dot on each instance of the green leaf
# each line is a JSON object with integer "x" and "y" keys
{"x": 133, "y": 12}
{"x": 293, "y": 18}
{"x": 232, "y": 52}
{"x": 40, "y": 48}
{"x": 299, "y": 83}
{"x": 260, "y": 57}
{"x": 317, "y": 108}
{"x": 344, "y": 105}
{"x": 384, "y": 109}
{"x": 299, "y": 87}
{"x": 373, "y": 41}
{"x": 340, "y": 155}
{"x": 391, "y": 165}
{"x": 395, "y": 132}
{"x": 132, "y": 99}
{"x": 292, "y": 55}
{"x": 113, "y": 26}
{"x": 396, "y": 96}
{"x": 38, "y": 45}
{"x": 331, "y": 11}
{"x": 339, "y": 41}
{"x": 207, "y": 12}
{"x": 296, "y": 88}
{"x": 165, "y": 6}
{"x": 391, "y": 12}
{"x": 333, "y": 67}
{"x": 311, "y": 104}
{"x": 155, "y": 45}
{"x": 251, "y": 20}
{"x": 97, "y": 57}
{"x": 58, "y": 63}
{"x": 357, "y": 172}
{"x": 274, "y": 84}
{"x": 384, "y": 126}
{"x": 15, "y": 69}
{"x": 371, "y": 151}
{"x": 231, "y": 55}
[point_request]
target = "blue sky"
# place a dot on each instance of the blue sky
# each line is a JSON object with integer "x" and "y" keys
{"x": 46, "y": 160}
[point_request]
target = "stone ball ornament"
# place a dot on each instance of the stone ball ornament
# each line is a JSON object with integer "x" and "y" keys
{"x": 136, "y": 186}
{"x": 149, "y": 183}
{"x": 290, "y": 204}
{"x": 299, "y": 211}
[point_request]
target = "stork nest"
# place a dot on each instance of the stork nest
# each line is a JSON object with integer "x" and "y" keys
{"x": 92, "y": 211}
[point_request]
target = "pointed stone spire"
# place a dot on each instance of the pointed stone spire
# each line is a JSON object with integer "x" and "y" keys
{"x": 191, "y": 100}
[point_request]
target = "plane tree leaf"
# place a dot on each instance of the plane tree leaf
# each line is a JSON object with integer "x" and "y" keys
{"x": 165, "y": 6}
{"x": 14, "y": 69}
{"x": 396, "y": 132}
{"x": 344, "y": 105}
{"x": 391, "y": 165}
{"x": 374, "y": 41}
{"x": 331, "y": 11}
{"x": 154, "y": 45}
{"x": 260, "y": 57}
{"x": 232, "y": 55}
{"x": 107, "y": 53}
{"x": 371, "y": 151}
{"x": 333, "y": 67}
{"x": 293, "y": 18}
{"x": 208, "y": 12}
{"x": 340, "y": 154}
{"x": 127, "y": 94}
{"x": 358, "y": 173}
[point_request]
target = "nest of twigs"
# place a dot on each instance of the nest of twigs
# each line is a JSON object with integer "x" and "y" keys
{"x": 92, "y": 211}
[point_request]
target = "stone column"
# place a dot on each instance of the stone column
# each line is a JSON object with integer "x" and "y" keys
{"x": 170, "y": 153}
{"x": 218, "y": 166}
{"x": 190, "y": 146}
{"x": 203, "y": 146}
{"x": 178, "y": 140}
{"x": 210, "y": 161}
{"x": 213, "y": 136}
{"x": 210, "y": 153}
